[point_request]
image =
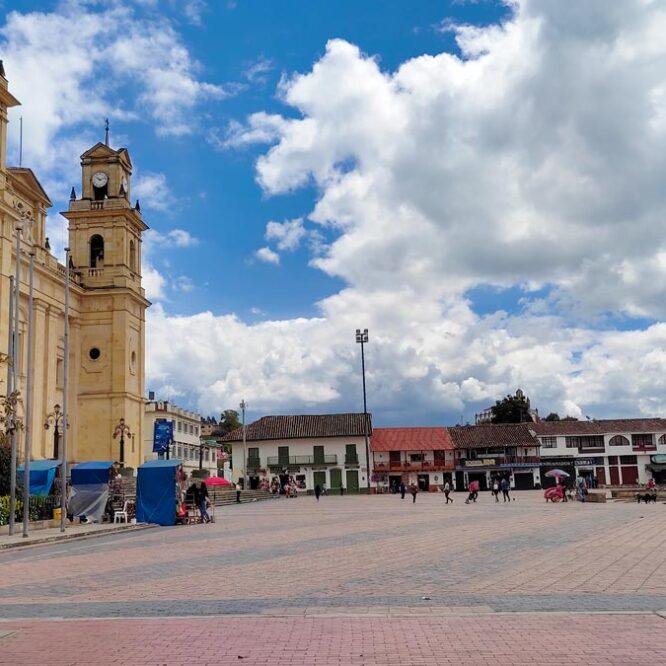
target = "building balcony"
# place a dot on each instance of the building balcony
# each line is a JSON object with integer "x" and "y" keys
{"x": 300, "y": 461}
{"x": 404, "y": 466}
{"x": 351, "y": 459}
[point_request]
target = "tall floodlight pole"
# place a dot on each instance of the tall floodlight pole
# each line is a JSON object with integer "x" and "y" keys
{"x": 28, "y": 404}
{"x": 362, "y": 339}
{"x": 65, "y": 402}
{"x": 243, "y": 405}
{"x": 15, "y": 384}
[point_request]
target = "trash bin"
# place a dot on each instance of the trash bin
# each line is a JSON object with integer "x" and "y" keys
{"x": 57, "y": 513}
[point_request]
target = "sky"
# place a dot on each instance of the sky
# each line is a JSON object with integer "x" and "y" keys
{"x": 478, "y": 183}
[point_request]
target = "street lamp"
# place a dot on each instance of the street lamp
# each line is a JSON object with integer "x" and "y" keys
{"x": 243, "y": 405}
{"x": 55, "y": 418}
{"x": 122, "y": 429}
{"x": 362, "y": 339}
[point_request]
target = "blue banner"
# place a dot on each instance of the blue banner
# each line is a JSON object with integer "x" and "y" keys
{"x": 162, "y": 435}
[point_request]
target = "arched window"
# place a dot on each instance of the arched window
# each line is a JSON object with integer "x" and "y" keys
{"x": 618, "y": 440}
{"x": 96, "y": 251}
{"x": 132, "y": 256}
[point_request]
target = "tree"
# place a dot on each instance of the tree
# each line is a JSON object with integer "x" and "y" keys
{"x": 512, "y": 409}
{"x": 569, "y": 418}
{"x": 553, "y": 416}
{"x": 228, "y": 421}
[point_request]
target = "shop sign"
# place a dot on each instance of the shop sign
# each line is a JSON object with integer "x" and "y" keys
{"x": 482, "y": 462}
{"x": 557, "y": 461}
{"x": 588, "y": 462}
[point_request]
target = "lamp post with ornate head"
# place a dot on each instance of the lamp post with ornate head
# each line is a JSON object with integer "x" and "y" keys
{"x": 121, "y": 430}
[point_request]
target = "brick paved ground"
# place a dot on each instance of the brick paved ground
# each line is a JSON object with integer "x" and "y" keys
{"x": 290, "y": 577}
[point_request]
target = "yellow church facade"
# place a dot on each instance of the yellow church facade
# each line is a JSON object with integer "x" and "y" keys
{"x": 107, "y": 305}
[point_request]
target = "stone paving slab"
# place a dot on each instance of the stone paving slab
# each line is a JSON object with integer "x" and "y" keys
{"x": 511, "y": 640}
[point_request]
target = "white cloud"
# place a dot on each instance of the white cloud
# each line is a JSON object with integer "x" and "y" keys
{"x": 533, "y": 160}
{"x": 256, "y": 72}
{"x": 287, "y": 235}
{"x": 73, "y": 66}
{"x": 267, "y": 255}
{"x": 153, "y": 191}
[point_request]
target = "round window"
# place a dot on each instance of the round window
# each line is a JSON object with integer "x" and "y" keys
{"x": 94, "y": 353}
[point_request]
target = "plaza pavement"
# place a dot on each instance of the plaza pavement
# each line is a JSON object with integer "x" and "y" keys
{"x": 351, "y": 580}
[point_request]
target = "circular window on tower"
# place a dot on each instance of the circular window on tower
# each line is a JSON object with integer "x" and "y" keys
{"x": 94, "y": 353}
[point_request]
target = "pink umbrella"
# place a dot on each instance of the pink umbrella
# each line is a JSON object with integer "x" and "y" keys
{"x": 217, "y": 481}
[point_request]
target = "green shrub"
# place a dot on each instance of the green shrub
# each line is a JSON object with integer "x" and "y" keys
{"x": 4, "y": 510}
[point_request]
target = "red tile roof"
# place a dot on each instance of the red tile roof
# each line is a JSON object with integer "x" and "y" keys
{"x": 297, "y": 427}
{"x": 411, "y": 439}
{"x": 601, "y": 427}
{"x": 489, "y": 436}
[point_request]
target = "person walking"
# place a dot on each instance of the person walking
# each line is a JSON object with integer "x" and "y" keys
{"x": 203, "y": 502}
{"x": 413, "y": 489}
{"x": 402, "y": 490}
{"x": 506, "y": 487}
{"x": 473, "y": 492}
{"x": 447, "y": 491}
{"x": 238, "y": 492}
{"x": 317, "y": 491}
{"x": 581, "y": 489}
{"x": 496, "y": 489}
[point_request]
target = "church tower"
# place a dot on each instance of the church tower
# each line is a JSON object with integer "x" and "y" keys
{"x": 105, "y": 243}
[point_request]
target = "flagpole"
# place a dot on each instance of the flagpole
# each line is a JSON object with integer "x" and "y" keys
{"x": 28, "y": 403}
{"x": 65, "y": 402}
{"x": 15, "y": 383}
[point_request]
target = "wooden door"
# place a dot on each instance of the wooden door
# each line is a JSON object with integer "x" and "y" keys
{"x": 352, "y": 480}
{"x": 336, "y": 479}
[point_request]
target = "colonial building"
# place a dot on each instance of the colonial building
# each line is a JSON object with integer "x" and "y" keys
{"x": 423, "y": 456}
{"x": 486, "y": 451}
{"x": 314, "y": 450}
{"x": 187, "y": 443}
{"x": 606, "y": 452}
{"x": 107, "y": 303}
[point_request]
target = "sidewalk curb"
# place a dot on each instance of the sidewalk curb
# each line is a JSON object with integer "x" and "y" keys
{"x": 68, "y": 537}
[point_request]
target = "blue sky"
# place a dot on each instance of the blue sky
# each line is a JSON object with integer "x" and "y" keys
{"x": 476, "y": 182}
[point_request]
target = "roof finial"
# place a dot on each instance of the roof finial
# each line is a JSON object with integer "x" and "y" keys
{"x": 2, "y": 69}
{"x": 72, "y": 194}
{"x": 106, "y": 132}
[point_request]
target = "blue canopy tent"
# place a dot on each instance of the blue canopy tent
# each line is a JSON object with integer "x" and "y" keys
{"x": 94, "y": 471}
{"x": 42, "y": 475}
{"x": 90, "y": 489}
{"x": 156, "y": 492}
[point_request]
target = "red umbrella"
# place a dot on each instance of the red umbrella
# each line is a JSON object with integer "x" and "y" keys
{"x": 217, "y": 481}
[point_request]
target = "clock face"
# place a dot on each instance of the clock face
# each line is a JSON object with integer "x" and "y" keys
{"x": 123, "y": 182}
{"x": 100, "y": 179}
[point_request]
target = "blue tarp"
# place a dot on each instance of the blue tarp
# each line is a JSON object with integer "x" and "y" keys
{"x": 94, "y": 471}
{"x": 42, "y": 474}
{"x": 156, "y": 492}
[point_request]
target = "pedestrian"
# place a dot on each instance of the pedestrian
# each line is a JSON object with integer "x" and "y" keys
{"x": 506, "y": 487}
{"x": 447, "y": 490}
{"x": 238, "y": 492}
{"x": 496, "y": 489}
{"x": 402, "y": 490}
{"x": 317, "y": 491}
{"x": 473, "y": 492}
{"x": 203, "y": 502}
{"x": 581, "y": 489}
{"x": 413, "y": 489}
